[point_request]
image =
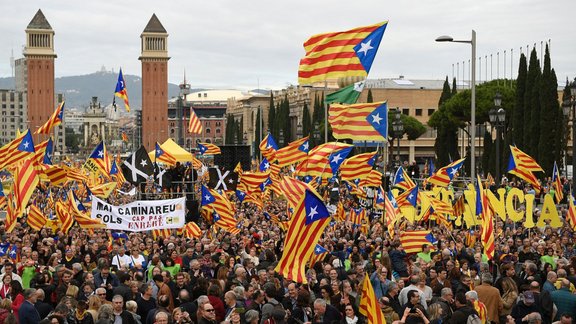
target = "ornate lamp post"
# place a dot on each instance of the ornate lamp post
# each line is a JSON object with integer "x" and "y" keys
{"x": 497, "y": 117}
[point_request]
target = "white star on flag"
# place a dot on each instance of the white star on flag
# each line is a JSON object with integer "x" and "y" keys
{"x": 100, "y": 154}
{"x": 313, "y": 212}
{"x": 376, "y": 118}
{"x": 143, "y": 163}
{"x": 241, "y": 194}
{"x": 318, "y": 250}
{"x": 365, "y": 47}
{"x": 411, "y": 196}
{"x": 305, "y": 146}
{"x": 207, "y": 197}
{"x": 266, "y": 166}
{"x": 380, "y": 196}
{"x": 158, "y": 152}
{"x": 26, "y": 144}
{"x": 336, "y": 158}
{"x": 453, "y": 171}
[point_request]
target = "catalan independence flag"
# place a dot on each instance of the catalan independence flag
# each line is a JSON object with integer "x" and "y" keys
{"x": 557, "y": 183}
{"x": 294, "y": 152}
{"x": 412, "y": 241}
{"x": 318, "y": 162}
{"x": 194, "y": 126}
{"x": 369, "y": 306}
{"x": 319, "y": 254}
{"x": 124, "y": 137}
{"x": 64, "y": 217}
{"x": 522, "y": 165}
{"x": 268, "y": 147}
{"x": 358, "y": 166}
{"x": 160, "y": 155}
{"x": 444, "y": 175}
{"x": 308, "y": 222}
{"x": 483, "y": 209}
{"x": 402, "y": 180}
{"x": 571, "y": 215}
{"x": 208, "y": 149}
{"x": 293, "y": 190}
{"x": 121, "y": 91}
{"x": 360, "y": 122}
{"x": 22, "y": 147}
{"x": 191, "y": 230}
{"x": 54, "y": 120}
{"x": 25, "y": 181}
{"x": 98, "y": 160}
{"x": 340, "y": 54}
{"x": 36, "y": 219}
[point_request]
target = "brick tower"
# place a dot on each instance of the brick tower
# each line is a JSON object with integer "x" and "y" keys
{"x": 154, "y": 57}
{"x": 39, "y": 54}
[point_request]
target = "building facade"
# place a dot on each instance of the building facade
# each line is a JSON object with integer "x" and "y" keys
{"x": 13, "y": 114}
{"x": 154, "y": 58}
{"x": 245, "y": 109}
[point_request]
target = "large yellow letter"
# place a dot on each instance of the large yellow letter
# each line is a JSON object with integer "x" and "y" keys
{"x": 549, "y": 212}
{"x": 514, "y": 215}
{"x": 498, "y": 203}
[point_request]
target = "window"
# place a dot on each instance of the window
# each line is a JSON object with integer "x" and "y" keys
{"x": 199, "y": 95}
{"x": 205, "y": 95}
{"x": 207, "y": 130}
{"x": 217, "y": 130}
{"x": 406, "y": 111}
{"x": 418, "y": 112}
{"x": 431, "y": 111}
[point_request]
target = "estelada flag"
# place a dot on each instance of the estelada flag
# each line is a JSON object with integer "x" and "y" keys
{"x": 340, "y": 54}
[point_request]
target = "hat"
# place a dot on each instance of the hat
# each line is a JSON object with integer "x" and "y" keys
{"x": 529, "y": 297}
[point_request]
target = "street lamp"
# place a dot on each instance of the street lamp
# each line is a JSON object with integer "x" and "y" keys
{"x": 567, "y": 105}
{"x": 398, "y": 129}
{"x": 281, "y": 138}
{"x": 316, "y": 133}
{"x": 473, "y": 97}
{"x": 497, "y": 117}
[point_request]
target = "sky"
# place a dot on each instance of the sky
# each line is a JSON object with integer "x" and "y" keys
{"x": 258, "y": 44}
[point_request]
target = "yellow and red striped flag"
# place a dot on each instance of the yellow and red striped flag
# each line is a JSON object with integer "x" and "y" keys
{"x": 390, "y": 213}
{"x": 219, "y": 208}
{"x": 53, "y": 121}
{"x": 357, "y": 215}
{"x": 340, "y": 54}
{"x": 165, "y": 232}
{"x": 369, "y": 306}
{"x": 318, "y": 161}
{"x": 64, "y": 217}
{"x": 294, "y": 152}
{"x": 523, "y": 165}
{"x": 98, "y": 160}
{"x": 358, "y": 166}
{"x": 191, "y": 230}
{"x": 293, "y": 190}
{"x": 56, "y": 175}
{"x": 103, "y": 191}
{"x": 208, "y": 149}
{"x": 571, "y": 215}
{"x": 22, "y": 147}
{"x": 252, "y": 180}
{"x": 196, "y": 164}
{"x": 194, "y": 126}
{"x": 360, "y": 122}
{"x": 12, "y": 212}
{"x": 402, "y": 180}
{"x": 340, "y": 212}
{"x": 125, "y": 137}
{"x": 557, "y": 183}
{"x": 40, "y": 150}
{"x": 459, "y": 206}
{"x": 25, "y": 181}
{"x": 308, "y": 222}
{"x": 412, "y": 241}
{"x": 319, "y": 254}
{"x": 162, "y": 156}
{"x": 121, "y": 92}
{"x": 36, "y": 219}
{"x": 444, "y": 175}
{"x": 483, "y": 209}
{"x": 268, "y": 147}
{"x": 374, "y": 179}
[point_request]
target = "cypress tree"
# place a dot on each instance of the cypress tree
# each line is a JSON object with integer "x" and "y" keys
{"x": 446, "y": 142}
{"x": 286, "y": 126}
{"x": 454, "y": 87}
{"x": 519, "y": 109}
{"x": 369, "y": 98}
{"x": 271, "y": 118}
{"x": 532, "y": 107}
{"x": 488, "y": 154}
{"x": 562, "y": 125}
{"x": 240, "y": 130}
{"x": 549, "y": 110}
{"x": 306, "y": 121}
{"x": 229, "y": 129}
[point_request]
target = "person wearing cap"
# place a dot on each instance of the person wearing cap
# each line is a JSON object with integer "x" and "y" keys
{"x": 525, "y": 306}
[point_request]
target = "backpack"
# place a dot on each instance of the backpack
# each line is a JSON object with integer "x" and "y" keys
{"x": 473, "y": 319}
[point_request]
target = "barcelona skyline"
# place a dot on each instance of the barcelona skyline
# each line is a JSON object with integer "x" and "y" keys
{"x": 228, "y": 44}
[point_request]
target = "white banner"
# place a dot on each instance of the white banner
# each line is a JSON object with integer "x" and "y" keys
{"x": 141, "y": 215}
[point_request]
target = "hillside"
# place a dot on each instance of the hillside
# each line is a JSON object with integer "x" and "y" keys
{"x": 80, "y": 89}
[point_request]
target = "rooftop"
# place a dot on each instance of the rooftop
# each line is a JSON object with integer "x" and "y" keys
{"x": 39, "y": 21}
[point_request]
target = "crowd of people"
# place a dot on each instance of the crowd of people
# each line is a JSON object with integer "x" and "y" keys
{"x": 89, "y": 277}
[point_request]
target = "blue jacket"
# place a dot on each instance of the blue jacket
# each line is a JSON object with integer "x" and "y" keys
{"x": 27, "y": 314}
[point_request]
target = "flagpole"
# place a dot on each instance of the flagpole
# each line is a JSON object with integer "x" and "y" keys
{"x": 325, "y": 114}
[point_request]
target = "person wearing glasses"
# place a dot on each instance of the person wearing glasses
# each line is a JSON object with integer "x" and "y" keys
{"x": 207, "y": 314}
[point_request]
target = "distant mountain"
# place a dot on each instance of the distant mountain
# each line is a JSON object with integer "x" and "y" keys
{"x": 80, "y": 89}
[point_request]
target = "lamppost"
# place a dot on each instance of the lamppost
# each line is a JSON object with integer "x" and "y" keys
{"x": 316, "y": 133}
{"x": 281, "y": 138}
{"x": 398, "y": 129}
{"x": 567, "y": 105}
{"x": 472, "y": 42}
{"x": 235, "y": 138}
{"x": 497, "y": 117}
